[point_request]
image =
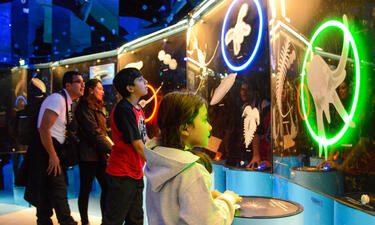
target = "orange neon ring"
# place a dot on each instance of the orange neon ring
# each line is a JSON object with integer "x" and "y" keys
{"x": 155, "y": 105}
{"x": 299, "y": 104}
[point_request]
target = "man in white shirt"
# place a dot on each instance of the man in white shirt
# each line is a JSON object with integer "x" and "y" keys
{"x": 46, "y": 188}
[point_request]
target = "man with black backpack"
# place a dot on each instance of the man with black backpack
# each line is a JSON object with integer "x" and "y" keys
{"x": 46, "y": 188}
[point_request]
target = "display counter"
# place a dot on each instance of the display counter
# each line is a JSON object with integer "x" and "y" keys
{"x": 248, "y": 182}
{"x": 266, "y": 211}
{"x": 328, "y": 182}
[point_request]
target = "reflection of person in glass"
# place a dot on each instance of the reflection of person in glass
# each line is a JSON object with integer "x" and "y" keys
{"x": 249, "y": 98}
{"x": 357, "y": 161}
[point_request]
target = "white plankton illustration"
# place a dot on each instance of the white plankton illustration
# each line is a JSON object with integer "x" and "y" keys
{"x": 143, "y": 102}
{"x": 322, "y": 83}
{"x": 239, "y": 31}
{"x": 39, "y": 84}
{"x": 284, "y": 124}
{"x": 167, "y": 59}
{"x": 251, "y": 122}
{"x": 201, "y": 55}
{"x": 287, "y": 57}
{"x": 137, "y": 65}
{"x": 223, "y": 88}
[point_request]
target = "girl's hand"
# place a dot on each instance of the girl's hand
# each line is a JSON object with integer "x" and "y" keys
{"x": 215, "y": 194}
{"x": 236, "y": 196}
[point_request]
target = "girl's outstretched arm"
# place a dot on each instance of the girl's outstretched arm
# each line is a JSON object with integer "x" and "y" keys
{"x": 197, "y": 206}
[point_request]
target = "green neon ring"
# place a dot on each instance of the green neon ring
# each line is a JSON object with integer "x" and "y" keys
{"x": 322, "y": 140}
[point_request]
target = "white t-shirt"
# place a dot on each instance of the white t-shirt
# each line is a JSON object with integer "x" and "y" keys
{"x": 56, "y": 103}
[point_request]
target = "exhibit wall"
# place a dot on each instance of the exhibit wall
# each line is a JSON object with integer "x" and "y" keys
{"x": 322, "y": 95}
{"x": 228, "y": 64}
{"x": 162, "y": 64}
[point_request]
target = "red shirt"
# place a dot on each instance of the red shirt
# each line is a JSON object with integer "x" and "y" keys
{"x": 128, "y": 124}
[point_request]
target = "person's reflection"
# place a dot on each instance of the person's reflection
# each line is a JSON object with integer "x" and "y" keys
{"x": 252, "y": 155}
{"x": 357, "y": 161}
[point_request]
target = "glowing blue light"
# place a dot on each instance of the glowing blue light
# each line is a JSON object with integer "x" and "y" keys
{"x": 162, "y": 8}
{"x": 18, "y": 98}
{"x": 260, "y": 31}
{"x": 144, "y": 7}
{"x": 154, "y": 20}
{"x": 102, "y": 19}
{"x": 102, "y": 38}
{"x": 262, "y": 167}
{"x": 113, "y": 31}
{"x": 92, "y": 28}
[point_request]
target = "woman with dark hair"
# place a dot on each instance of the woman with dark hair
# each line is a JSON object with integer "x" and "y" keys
{"x": 95, "y": 145}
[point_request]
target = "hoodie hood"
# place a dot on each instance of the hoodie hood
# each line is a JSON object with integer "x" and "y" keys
{"x": 164, "y": 163}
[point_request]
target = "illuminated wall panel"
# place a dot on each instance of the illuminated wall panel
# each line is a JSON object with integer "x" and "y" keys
{"x": 227, "y": 49}
{"x": 322, "y": 96}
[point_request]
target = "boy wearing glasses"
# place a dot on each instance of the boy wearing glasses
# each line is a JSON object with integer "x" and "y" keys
{"x": 46, "y": 187}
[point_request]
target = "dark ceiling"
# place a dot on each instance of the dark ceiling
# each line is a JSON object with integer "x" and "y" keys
{"x": 47, "y": 30}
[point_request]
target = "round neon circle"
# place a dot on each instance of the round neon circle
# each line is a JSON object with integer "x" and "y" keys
{"x": 298, "y": 101}
{"x": 155, "y": 104}
{"x": 323, "y": 140}
{"x": 260, "y": 31}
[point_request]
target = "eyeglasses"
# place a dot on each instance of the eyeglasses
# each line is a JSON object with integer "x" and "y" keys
{"x": 81, "y": 82}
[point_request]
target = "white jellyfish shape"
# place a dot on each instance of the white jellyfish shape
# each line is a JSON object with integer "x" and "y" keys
{"x": 173, "y": 64}
{"x": 167, "y": 59}
{"x": 223, "y": 88}
{"x": 161, "y": 55}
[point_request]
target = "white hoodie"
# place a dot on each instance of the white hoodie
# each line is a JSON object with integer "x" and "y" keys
{"x": 178, "y": 190}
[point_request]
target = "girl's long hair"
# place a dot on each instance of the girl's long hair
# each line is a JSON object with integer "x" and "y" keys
{"x": 179, "y": 109}
{"x": 91, "y": 100}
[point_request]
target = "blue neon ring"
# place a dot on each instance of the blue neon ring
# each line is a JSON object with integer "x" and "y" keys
{"x": 247, "y": 63}
{"x": 18, "y": 98}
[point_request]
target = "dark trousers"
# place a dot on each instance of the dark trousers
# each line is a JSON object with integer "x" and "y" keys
{"x": 55, "y": 198}
{"x": 124, "y": 201}
{"x": 87, "y": 173}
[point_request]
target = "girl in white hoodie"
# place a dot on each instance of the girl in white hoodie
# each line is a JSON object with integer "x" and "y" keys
{"x": 178, "y": 179}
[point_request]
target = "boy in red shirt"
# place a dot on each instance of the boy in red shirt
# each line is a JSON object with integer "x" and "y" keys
{"x": 125, "y": 166}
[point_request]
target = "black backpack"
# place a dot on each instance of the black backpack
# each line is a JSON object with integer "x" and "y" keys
{"x": 26, "y": 121}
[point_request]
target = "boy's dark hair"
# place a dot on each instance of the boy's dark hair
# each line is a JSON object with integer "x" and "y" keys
{"x": 124, "y": 78}
{"x": 68, "y": 77}
{"x": 178, "y": 109}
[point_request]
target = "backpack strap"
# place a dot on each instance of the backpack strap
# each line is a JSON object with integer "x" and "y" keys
{"x": 68, "y": 121}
